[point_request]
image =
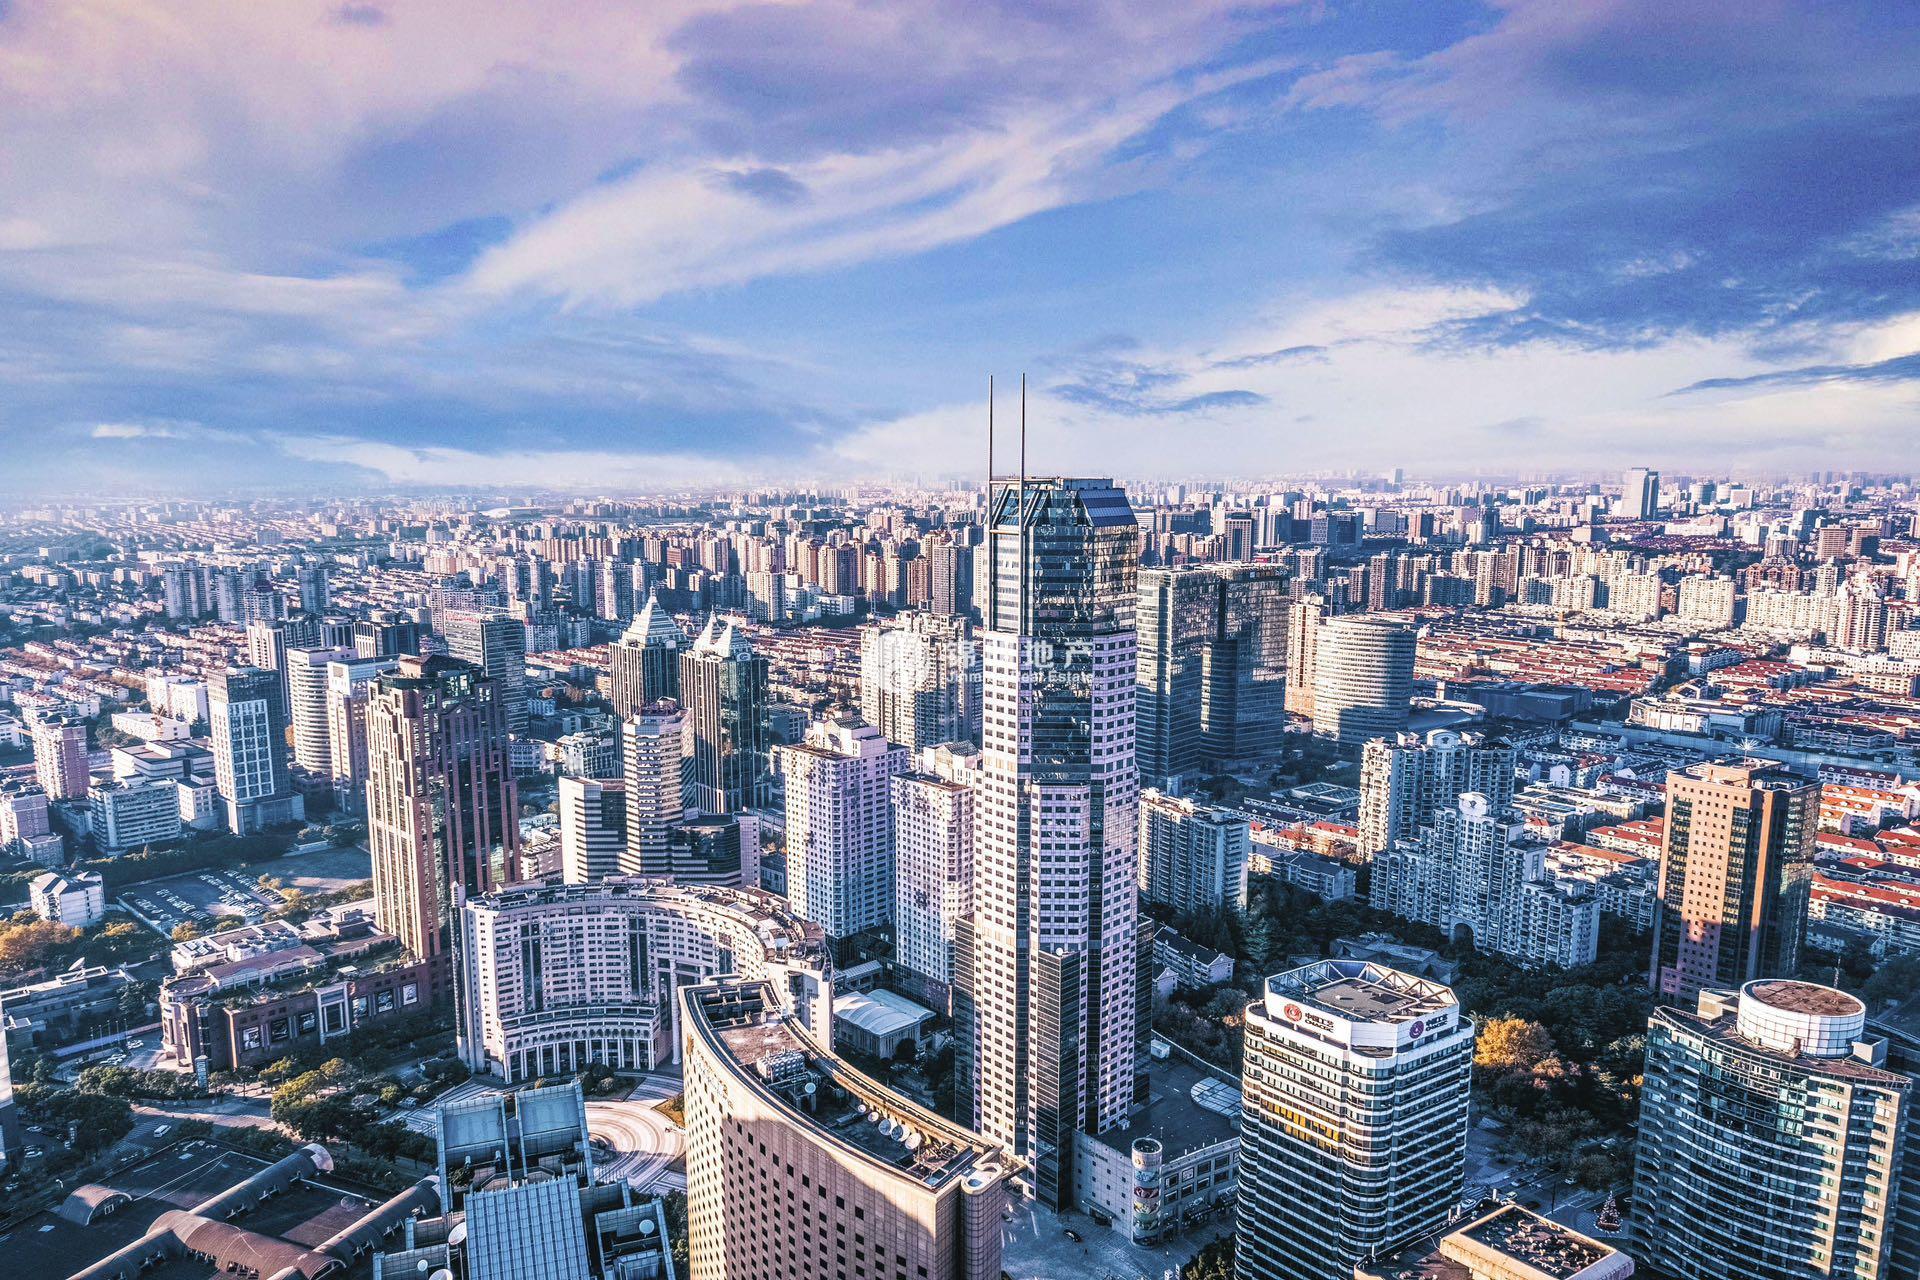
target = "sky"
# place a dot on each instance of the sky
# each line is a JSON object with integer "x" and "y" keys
{"x": 657, "y": 244}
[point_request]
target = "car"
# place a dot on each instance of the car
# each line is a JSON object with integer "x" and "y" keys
{"x": 136, "y": 1044}
{"x": 1073, "y": 1235}
{"x": 34, "y": 1153}
{"x": 1568, "y": 1181}
{"x": 160, "y": 1130}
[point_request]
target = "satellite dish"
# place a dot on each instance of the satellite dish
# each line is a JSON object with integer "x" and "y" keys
{"x": 441, "y": 1274}
{"x": 646, "y": 1228}
{"x": 458, "y": 1235}
{"x": 422, "y": 1266}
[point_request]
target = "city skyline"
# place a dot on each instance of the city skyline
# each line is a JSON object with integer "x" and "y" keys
{"x": 350, "y": 246}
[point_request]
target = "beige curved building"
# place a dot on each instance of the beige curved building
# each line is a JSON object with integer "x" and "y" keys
{"x": 555, "y": 978}
{"x": 799, "y": 1167}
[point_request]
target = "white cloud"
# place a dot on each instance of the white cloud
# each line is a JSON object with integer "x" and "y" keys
{"x": 583, "y": 470}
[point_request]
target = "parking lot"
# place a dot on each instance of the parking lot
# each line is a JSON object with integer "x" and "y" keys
{"x": 208, "y": 900}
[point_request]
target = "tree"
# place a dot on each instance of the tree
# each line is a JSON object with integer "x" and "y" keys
{"x": 186, "y": 932}
{"x": 33, "y": 944}
{"x": 1217, "y": 1260}
{"x": 1512, "y": 1044}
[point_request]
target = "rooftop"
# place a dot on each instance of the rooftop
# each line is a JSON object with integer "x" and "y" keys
{"x": 1188, "y": 1108}
{"x": 1805, "y": 997}
{"x": 1510, "y": 1242}
{"x": 1362, "y": 991}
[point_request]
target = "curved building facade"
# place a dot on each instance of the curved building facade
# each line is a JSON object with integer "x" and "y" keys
{"x": 561, "y": 977}
{"x": 1362, "y": 679}
{"x": 1770, "y": 1133}
{"x": 800, "y": 1167}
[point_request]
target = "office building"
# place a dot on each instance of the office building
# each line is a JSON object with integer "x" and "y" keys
{"x": 1735, "y": 871}
{"x": 127, "y": 816}
{"x": 60, "y": 756}
{"x": 496, "y": 642}
{"x": 1639, "y": 494}
{"x": 918, "y": 680}
{"x": 349, "y": 682}
{"x": 1303, "y": 642}
{"x": 723, "y": 686}
{"x": 933, "y": 834}
{"x": 1769, "y": 1138}
{"x": 1176, "y": 619}
{"x": 840, "y": 825}
{"x": 77, "y": 899}
{"x": 653, "y": 741}
{"x": 1047, "y": 974}
{"x": 386, "y": 634}
{"x": 715, "y": 849}
{"x": 249, "y": 750}
{"x": 1475, "y": 874}
{"x": 307, "y": 706}
{"x": 557, "y": 977}
{"x": 593, "y": 828}
{"x": 1193, "y": 857}
{"x": 1362, "y": 679}
{"x": 1403, "y": 779}
{"x": 645, "y": 661}
{"x": 799, "y": 1167}
{"x": 441, "y": 815}
{"x": 1353, "y": 1138}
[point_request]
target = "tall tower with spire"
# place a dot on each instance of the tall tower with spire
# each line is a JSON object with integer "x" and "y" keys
{"x": 1046, "y": 1002}
{"x": 723, "y": 686}
{"x": 646, "y": 661}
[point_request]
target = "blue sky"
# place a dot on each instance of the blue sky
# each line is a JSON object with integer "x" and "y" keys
{"x": 607, "y": 246}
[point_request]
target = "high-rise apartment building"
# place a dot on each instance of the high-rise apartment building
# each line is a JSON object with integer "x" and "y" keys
{"x": 496, "y": 642}
{"x": 307, "y": 706}
{"x": 1176, "y": 619}
{"x": 918, "y": 680}
{"x": 723, "y": 686}
{"x": 593, "y": 828}
{"x": 799, "y": 1167}
{"x": 441, "y": 815}
{"x": 249, "y": 724}
{"x": 60, "y": 756}
{"x": 1475, "y": 874}
{"x": 1735, "y": 868}
{"x": 348, "y": 684}
{"x": 1046, "y": 974}
{"x": 1769, "y": 1138}
{"x": 1353, "y": 1136}
{"x": 949, "y": 575}
{"x": 1193, "y": 857}
{"x": 1403, "y": 779}
{"x": 933, "y": 824}
{"x": 654, "y": 767}
{"x": 1362, "y": 679}
{"x": 840, "y": 825}
{"x": 645, "y": 661}
{"x": 1303, "y": 640}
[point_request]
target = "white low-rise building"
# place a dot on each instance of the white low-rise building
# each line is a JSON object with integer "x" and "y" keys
{"x": 77, "y": 899}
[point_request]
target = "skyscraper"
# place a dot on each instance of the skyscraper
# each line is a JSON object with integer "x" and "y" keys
{"x": 1735, "y": 870}
{"x": 654, "y": 765}
{"x": 307, "y": 706}
{"x": 441, "y": 814}
{"x": 1303, "y": 636}
{"x": 1362, "y": 679}
{"x": 1046, "y": 974}
{"x": 593, "y": 828}
{"x": 1176, "y": 619}
{"x": 348, "y": 683}
{"x": 933, "y": 834}
{"x": 249, "y": 725}
{"x": 889, "y": 1189}
{"x": 840, "y": 825}
{"x": 496, "y": 642}
{"x": 723, "y": 686}
{"x": 645, "y": 661}
{"x": 1769, "y": 1138}
{"x": 60, "y": 756}
{"x": 1640, "y": 494}
{"x": 1193, "y": 857}
{"x": 1353, "y": 1137}
{"x": 918, "y": 681}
